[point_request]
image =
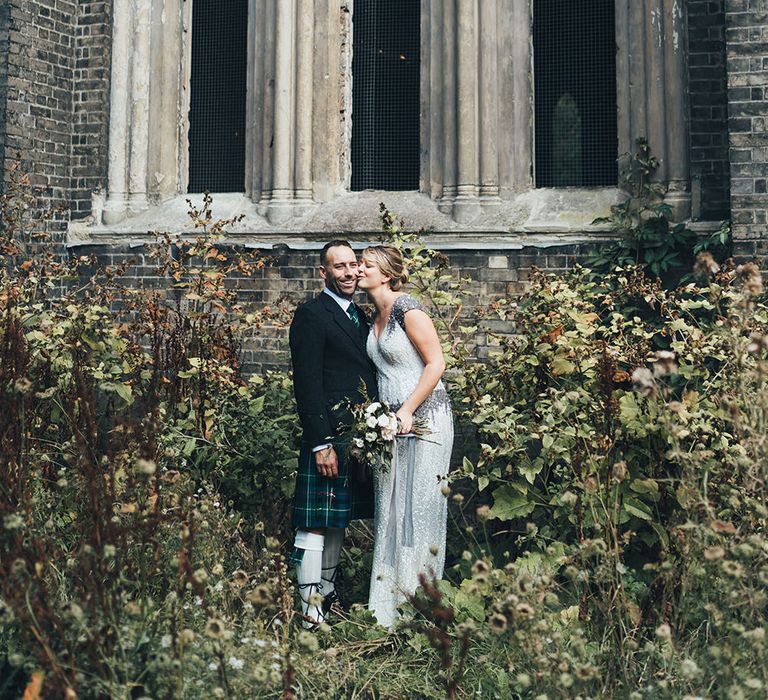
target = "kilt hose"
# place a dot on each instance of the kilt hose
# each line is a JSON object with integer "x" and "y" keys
{"x": 320, "y": 502}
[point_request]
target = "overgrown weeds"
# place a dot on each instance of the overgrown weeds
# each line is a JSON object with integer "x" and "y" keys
{"x": 610, "y": 520}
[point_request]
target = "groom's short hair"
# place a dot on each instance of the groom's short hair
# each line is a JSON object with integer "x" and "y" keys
{"x": 332, "y": 244}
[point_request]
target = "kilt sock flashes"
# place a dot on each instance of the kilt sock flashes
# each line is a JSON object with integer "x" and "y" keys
{"x": 309, "y": 575}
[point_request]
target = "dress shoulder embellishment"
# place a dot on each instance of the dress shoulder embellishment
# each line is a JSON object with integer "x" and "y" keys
{"x": 401, "y": 306}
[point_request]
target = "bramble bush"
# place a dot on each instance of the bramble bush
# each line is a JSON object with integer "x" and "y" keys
{"x": 608, "y": 519}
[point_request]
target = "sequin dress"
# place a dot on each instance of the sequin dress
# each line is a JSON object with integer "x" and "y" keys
{"x": 410, "y": 509}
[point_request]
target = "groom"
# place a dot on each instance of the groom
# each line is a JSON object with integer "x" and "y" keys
{"x": 327, "y": 340}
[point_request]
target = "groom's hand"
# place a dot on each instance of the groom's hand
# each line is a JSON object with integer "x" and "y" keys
{"x": 327, "y": 462}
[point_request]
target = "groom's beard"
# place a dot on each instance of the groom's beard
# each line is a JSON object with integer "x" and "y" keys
{"x": 333, "y": 284}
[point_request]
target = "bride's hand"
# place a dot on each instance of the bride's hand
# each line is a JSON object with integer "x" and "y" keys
{"x": 405, "y": 419}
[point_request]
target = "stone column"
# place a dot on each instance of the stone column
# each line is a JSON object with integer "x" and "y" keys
{"x": 137, "y": 173}
{"x": 282, "y": 185}
{"x": 292, "y": 96}
{"x": 447, "y": 141}
{"x": 305, "y": 23}
{"x": 467, "y": 205}
{"x": 265, "y": 35}
{"x": 652, "y": 90}
{"x": 253, "y": 104}
{"x": 476, "y": 87}
{"x": 515, "y": 120}
{"x": 489, "y": 106}
{"x": 332, "y": 42}
{"x": 516, "y": 51}
{"x": 164, "y": 100}
{"x": 145, "y": 106}
{"x": 116, "y": 206}
{"x": 677, "y": 106}
{"x": 430, "y": 166}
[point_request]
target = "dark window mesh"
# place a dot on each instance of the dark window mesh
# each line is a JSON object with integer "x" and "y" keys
{"x": 574, "y": 47}
{"x": 385, "y": 95}
{"x": 217, "y": 96}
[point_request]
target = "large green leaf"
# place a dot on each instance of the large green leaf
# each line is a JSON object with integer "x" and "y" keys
{"x": 636, "y": 507}
{"x": 511, "y": 501}
{"x": 472, "y": 605}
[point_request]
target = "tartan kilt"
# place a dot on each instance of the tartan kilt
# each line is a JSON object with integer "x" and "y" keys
{"x": 320, "y": 502}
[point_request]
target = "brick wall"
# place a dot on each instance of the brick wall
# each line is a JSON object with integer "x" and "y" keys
{"x": 4, "y": 50}
{"x": 747, "y": 56}
{"x": 293, "y": 278}
{"x": 708, "y": 105}
{"x": 39, "y": 102}
{"x": 90, "y": 128}
{"x": 57, "y": 99}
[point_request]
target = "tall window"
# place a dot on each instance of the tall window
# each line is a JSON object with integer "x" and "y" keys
{"x": 385, "y": 94}
{"x": 574, "y": 46}
{"x": 217, "y": 96}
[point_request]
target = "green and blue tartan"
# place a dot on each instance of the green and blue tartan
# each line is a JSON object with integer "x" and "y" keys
{"x": 320, "y": 502}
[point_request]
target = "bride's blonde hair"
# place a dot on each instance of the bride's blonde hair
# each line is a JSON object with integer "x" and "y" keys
{"x": 389, "y": 260}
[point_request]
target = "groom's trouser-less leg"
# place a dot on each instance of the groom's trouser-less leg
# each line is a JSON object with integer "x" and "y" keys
{"x": 309, "y": 574}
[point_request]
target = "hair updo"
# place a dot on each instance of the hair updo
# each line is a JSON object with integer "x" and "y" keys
{"x": 389, "y": 260}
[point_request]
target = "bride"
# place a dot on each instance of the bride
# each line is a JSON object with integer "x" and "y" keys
{"x": 410, "y": 508}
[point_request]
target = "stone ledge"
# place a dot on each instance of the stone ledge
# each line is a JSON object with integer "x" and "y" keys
{"x": 566, "y": 211}
{"x": 541, "y": 218}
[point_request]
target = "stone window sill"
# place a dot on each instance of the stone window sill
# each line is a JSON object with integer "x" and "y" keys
{"x": 544, "y": 217}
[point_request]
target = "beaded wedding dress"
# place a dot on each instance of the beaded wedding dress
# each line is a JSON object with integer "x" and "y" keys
{"x": 410, "y": 508}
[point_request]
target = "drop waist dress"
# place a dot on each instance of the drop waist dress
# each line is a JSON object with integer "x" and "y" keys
{"x": 410, "y": 508}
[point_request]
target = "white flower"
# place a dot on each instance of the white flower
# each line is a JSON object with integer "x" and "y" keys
{"x": 370, "y": 437}
{"x": 236, "y": 663}
{"x": 165, "y": 641}
{"x": 373, "y": 408}
{"x": 146, "y": 466}
{"x": 371, "y": 421}
{"x": 384, "y": 421}
{"x": 388, "y": 434}
{"x": 13, "y": 521}
{"x": 358, "y": 442}
{"x": 392, "y": 422}
{"x": 213, "y": 666}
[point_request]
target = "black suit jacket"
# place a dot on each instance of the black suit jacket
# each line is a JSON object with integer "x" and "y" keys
{"x": 329, "y": 361}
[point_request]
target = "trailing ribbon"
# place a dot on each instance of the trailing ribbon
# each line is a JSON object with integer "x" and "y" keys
{"x": 390, "y": 536}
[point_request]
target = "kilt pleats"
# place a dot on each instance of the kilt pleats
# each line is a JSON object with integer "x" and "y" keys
{"x": 320, "y": 502}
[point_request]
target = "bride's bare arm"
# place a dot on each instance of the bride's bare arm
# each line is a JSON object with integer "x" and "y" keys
{"x": 421, "y": 332}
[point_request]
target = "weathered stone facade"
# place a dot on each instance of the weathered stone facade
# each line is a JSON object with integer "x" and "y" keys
{"x": 92, "y": 98}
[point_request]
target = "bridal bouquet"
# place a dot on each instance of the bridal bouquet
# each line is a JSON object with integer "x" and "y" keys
{"x": 374, "y": 428}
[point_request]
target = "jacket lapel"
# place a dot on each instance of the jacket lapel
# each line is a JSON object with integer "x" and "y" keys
{"x": 345, "y": 323}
